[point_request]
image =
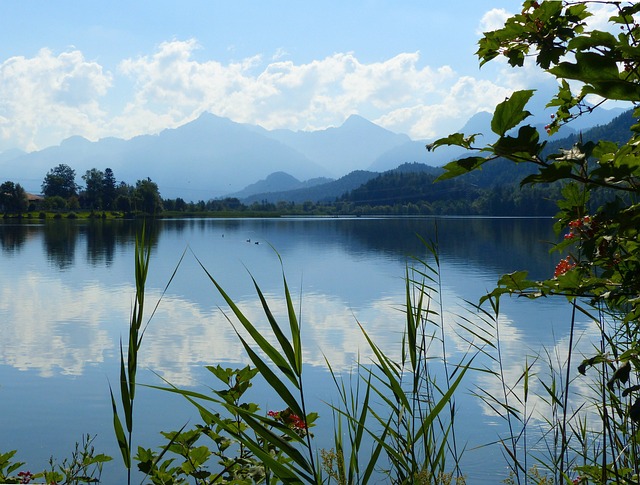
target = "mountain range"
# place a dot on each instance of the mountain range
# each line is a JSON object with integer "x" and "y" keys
{"x": 212, "y": 157}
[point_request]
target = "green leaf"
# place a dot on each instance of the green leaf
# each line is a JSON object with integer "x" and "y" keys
{"x": 524, "y": 147}
{"x": 456, "y": 139}
{"x": 634, "y": 411}
{"x": 588, "y": 67}
{"x": 510, "y": 113}
{"x": 550, "y": 173}
{"x": 596, "y": 38}
{"x": 617, "y": 89}
{"x": 515, "y": 282}
{"x": 283, "y": 472}
{"x": 462, "y": 166}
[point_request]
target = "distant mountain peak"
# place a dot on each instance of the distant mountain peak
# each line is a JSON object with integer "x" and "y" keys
{"x": 75, "y": 141}
{"x": 358, "y": 122}
{"x": 208, "y": 119}
{"x": 354, "y": 118}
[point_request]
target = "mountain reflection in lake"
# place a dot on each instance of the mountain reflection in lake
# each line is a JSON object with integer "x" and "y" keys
{"x": 67, "y": 289}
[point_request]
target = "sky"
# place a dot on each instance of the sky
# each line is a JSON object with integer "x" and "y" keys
{"x": 125, "y": 68}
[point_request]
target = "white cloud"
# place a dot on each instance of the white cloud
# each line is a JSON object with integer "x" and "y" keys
{"x": 48, "y": 98}
{"x": 494, "y": 19}
{"x": 457, "y": 103}
{"x": 283, "y": 94}
{"x": 600, "y": 18}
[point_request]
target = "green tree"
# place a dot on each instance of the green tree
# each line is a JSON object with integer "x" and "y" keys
{"x": 94, "y": 187}
{"x": 109, "y": 189}
{"x": 55, "y": 202}
{"x": 147, "y": 196}
{"x": 600, "y": 269}
{"x": 180, "y": 204}
{"x": 13, "y": 198}
{"x": 124, "y": 197}
{"x": 60, "y": 181}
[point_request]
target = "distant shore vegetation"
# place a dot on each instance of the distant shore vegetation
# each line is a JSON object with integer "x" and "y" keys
{"x": 404, "y": 192}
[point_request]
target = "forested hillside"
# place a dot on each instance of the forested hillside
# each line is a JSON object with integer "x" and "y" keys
{"x": 494, "y": 190}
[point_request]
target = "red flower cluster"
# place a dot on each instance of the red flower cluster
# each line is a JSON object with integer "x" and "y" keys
{"x": 289, "y": 418}
{"x": 25, "y": 477}
{"x": 563, "y": 266}
{"x": 579, "y": 226}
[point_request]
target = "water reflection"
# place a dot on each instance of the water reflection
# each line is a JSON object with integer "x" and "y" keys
{"x": 59, "y": 239}
{"x": 522, "y": 242}
{"x": 52, "y": 328}
{"x": 66, "y": 323}
{"x": 63, "y": 330}
{"x": 101, "y": 243}
{"x": 11, "y": 240}
{"x": 67, "y": 300}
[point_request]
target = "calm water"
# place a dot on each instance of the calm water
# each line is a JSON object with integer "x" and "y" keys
{"x": 67, "y": 288}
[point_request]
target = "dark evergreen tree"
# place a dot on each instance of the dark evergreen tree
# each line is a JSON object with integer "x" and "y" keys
{"x": 109, "y": 190}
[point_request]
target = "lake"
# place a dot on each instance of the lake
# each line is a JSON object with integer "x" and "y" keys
{"x": 67, "y": 290}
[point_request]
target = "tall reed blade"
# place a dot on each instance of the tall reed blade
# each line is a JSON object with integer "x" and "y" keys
{"x": 128, "y": 370}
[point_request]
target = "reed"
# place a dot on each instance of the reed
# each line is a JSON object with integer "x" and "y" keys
{"x": 129, "y": 367}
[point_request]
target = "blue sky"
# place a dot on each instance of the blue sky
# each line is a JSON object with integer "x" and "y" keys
{"x": 124, "y": 68}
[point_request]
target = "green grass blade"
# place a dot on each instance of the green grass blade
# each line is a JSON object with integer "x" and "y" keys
{"x": 132, "y": 349}
{"x": 164, "y": 291}
{"x": 124, "y": 393}
{"x": 120, "y": 435}
{"x": 444, "y": 400}
{"x": 279, "y": 442}
{"x": 277, "y": 331}
{"x": 185, "y": 393}
{"x": 293, "y": 322}
{"x": 362, "y": 418}
{"x": 375, "y": 455}
{"x": 411, "y": 323}
{"x": 386, "y": 367}
{"x": 295, "y": 329}
{"x": 272, "y": 379}
{"x": 262, "y": 343}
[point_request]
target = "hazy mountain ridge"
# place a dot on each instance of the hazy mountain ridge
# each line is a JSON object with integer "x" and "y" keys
{"x": 355, "y": 145}
{"x": 327, "y": 192}
{"x": 278, "y": 182}
{"x": 495, "y": 174}
{"x": 212, "y": 157}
